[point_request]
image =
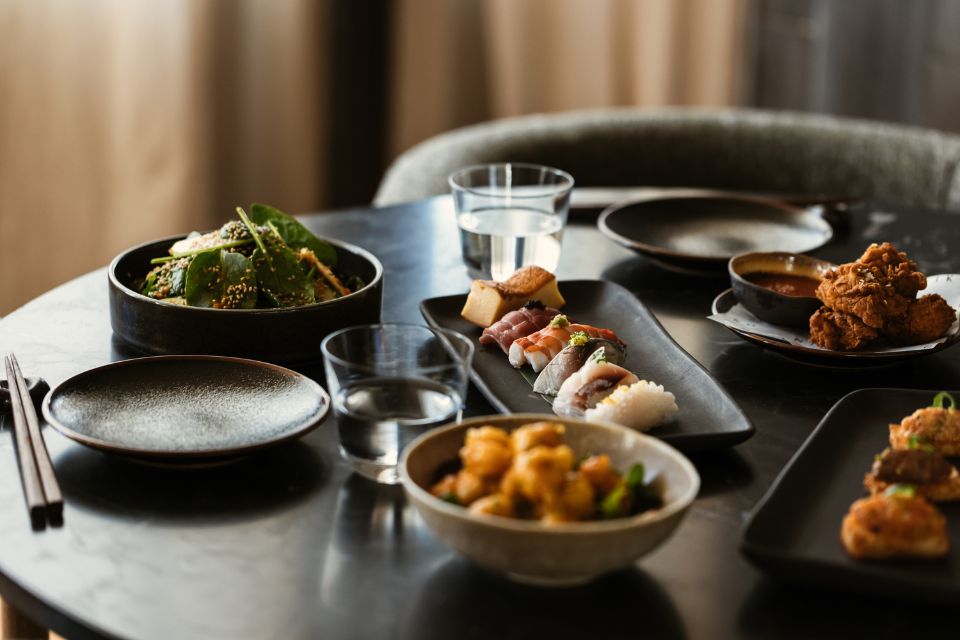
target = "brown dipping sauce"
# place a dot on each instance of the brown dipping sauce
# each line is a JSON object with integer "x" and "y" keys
{"x": 788, "y": 285}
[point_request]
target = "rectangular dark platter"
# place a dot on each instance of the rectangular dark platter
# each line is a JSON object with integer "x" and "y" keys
{"x": 794, "y": 532}
{"x": 708, "y": 417}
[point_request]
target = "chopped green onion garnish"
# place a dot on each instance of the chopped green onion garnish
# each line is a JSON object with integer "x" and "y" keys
{"x": 942, "y": 398}
{"x": 451, "y": 498}
{"x": 901, "y": 491}
{"x": 918, "y": 442}
{"x": 635, "y": 476}
{"x": 559, "y": 321}
{"x": 612, "y": 505}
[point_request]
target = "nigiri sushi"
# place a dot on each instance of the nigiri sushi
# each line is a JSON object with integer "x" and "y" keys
{"x": 572, "y": 357}
{"x": 593, "y": 382}
{"x": 641, "y": 405}
{"x": 531, "y": 317}
{"x": 541, "y": 346}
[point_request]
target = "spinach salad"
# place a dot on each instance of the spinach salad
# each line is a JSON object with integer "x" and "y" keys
{"x": 261, "y": 261}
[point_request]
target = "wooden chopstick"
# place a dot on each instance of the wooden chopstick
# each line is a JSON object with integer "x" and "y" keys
{"x": 40, "y": 486}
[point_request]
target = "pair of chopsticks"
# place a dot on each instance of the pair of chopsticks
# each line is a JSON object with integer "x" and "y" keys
{"x": 40, "y": 487}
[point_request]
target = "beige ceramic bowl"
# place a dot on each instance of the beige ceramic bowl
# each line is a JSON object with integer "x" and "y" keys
{"x": 558, "y": 554}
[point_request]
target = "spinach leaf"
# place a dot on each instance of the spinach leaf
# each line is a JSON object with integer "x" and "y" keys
{"x": 282, "y": 282}
{"x": 222, "y": 280}
{"x": 203, "y": 283}
{"x": 293, "y": 233}
{"x": 239, "y": 281}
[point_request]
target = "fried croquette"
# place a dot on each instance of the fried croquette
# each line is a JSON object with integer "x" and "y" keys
{"x": 935, "y": 426}
{"x": 933, "y": 477}
{"x": 890, "y": 526}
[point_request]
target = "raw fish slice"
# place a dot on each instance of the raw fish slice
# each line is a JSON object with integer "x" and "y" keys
{"x": 517, "y": 324}
{"x": 592, "y": 383}
{"x": 540, "y": 347}
{"x": 571, "y": 359}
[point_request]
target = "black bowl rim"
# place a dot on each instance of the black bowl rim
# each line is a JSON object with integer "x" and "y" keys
{"x": 698, "y": 194}
{"x": 170, "y": 454}
{"x": 127, "y": 291}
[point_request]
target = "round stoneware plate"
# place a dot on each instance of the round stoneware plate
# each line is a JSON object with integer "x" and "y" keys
{"x": 826, "y": 357}
{"x": 185, "y": 407}
{"x": 699, "y": 231}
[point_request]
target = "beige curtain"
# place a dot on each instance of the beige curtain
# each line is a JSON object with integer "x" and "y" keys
{"x": 125, "y": 120}
{"x": 456, "y": 63}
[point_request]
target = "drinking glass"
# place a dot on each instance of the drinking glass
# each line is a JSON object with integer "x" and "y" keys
{"x": 389, "y": 383}
{"x": 510, "y": 215}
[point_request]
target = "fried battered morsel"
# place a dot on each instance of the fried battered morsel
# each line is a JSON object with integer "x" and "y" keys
{"x": 934, "y": 478}
{"x": 926, "y": 319}
{"x": 547, "y": 434}
{"x": 877, "y": 287}
{"x": 934, "y": 426}
{"x": 840, "y": 331}
{"x": 495, "y": 504}
{"x": 889, "y": 526}
{"x": 486, "y": 451}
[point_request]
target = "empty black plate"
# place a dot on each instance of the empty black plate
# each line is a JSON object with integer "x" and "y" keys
{"x": 708, "y": 417}
{"x": 701, "y": 230}
{"x": 794, "y": 532}
{"x": 185, "y": 407}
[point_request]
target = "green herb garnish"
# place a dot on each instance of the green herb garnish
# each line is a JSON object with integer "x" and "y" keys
{"x": 901, "y": 491}
{"x": 559, "y": 321}
{"x": 598, "y": 357}
{"x": 942, "y": 398}
{"x": 919, "y": 442}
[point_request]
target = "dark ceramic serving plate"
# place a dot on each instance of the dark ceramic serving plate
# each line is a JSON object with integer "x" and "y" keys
{"x": 276, "y": 335}
{"x": 708, "y": 417}
{"x": 794, "y": 532}
{"x": 825, "y": 357}
{"x": 700, "y": 230}
{"x": 176, "y": 408}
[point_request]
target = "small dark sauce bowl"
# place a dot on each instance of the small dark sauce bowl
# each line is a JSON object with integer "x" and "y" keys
{"x": 767, "y": 304}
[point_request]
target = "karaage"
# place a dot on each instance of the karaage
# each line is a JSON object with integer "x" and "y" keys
{"x": 874, "y": 300}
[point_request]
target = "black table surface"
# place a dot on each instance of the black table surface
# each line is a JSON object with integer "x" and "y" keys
{"x": 289, "y": 543}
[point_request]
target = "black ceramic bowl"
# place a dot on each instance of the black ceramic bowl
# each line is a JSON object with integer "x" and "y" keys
{"x": 275, "y": 335}
{"x": 767, "y": 304}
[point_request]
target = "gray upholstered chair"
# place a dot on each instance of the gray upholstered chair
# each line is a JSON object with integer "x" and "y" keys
{"x": 724, "y": 149}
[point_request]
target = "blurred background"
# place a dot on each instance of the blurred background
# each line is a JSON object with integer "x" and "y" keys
{"x": 126, "y": 120}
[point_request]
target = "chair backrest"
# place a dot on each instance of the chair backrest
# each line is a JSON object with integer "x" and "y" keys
{"x": 725, "y": 149}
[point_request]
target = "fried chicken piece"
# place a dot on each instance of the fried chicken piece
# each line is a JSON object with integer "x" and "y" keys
{"x": 840, "y": 331}
{"x": 889, "y": 526}
{"x": 926, "y": 319}
{"x": 879, "y": 286}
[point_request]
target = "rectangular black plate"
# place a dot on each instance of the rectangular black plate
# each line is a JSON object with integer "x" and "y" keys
{"x": 794, "y": 532}
{"x": 708, "y": 417}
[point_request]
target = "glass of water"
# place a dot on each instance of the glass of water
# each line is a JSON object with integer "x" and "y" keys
{"x": 510, "y": 215}
{"x": 390, "y": 383}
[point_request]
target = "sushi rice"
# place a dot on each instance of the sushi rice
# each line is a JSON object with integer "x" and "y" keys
{"x": 641, "y": 405}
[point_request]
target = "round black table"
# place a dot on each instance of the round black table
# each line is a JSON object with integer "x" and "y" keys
{"x": 288, "y": 543}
